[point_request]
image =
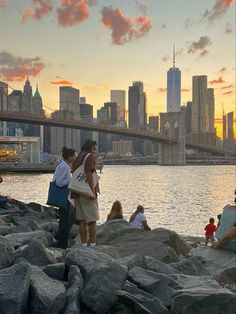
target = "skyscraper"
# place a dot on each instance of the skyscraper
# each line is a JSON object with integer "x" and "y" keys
{"x": 3, "y": 106}
{"x": 211, "y": 109}
{"x": 200, "y": 110}
{"x": 173, "y": 88}
{"x": 118, "y": 96}
{"x": 137, "y": 106}
{"x": 69, "y": 99}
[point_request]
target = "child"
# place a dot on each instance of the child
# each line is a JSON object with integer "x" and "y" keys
{"x": 210, "y": 229}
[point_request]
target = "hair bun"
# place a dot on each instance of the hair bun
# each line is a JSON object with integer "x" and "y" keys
{"x": 64, "y": 148}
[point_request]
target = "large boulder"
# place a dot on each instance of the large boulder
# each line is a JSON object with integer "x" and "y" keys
{"x": 160, "y": 267}
{"x": 55, "y": 271}
{"x": 99, "y": 293}
{"x": 109, "y": 250}
{"x": 133, "y": 261}
{"x": 162, "y": 244}
{"x": 86, "y": 259}
{"x": 195, "y": 265}
{"x": 204, "y": 301}
{"x": 113, "y": 229}
{"x": 19, "y": 239}
{"x": 6, "y": 253}
{"x": 159, "y": 285}
{"x": 194, "y": 282}
{"x": 47, "y": 295}
{"x": 227, "y": 276}
{"x": 140, "y": 302}
{"x": 14, "y": 289}
{"x": 37, "y": 255}
{"x": 74, "y": 291}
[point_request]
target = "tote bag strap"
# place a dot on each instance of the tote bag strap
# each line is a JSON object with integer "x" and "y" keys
{"x": 85, "y": 158}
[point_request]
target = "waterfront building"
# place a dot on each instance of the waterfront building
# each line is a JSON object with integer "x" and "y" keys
{"x": 69, "y": 99}
{"x": 3, "y": 106}
{"x": 200, "y": 111}
{"x": 113, "y": 112}
{"x": 82, "y": 100}
{"x": 153, "y": 124}
{"x": 187, "y": 117}
{"x": 122, "y": 148}
{"x": 118, "y": 96}
{"x": 173, "y": 88}
{"x": 229, "y": 142}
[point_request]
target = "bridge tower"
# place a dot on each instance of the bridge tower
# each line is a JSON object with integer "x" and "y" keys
{"x": 172, "y": 153}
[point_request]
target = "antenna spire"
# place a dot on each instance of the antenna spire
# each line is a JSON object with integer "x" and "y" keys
{"x": 174, "y": 56}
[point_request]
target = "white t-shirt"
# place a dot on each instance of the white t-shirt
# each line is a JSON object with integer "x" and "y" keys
{"x": 138, "y": 221}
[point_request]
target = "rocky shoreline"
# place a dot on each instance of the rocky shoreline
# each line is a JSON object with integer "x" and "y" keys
{"x": 130, "y": 271}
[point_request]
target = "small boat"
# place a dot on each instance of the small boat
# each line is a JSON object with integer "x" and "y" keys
{"x": 99, "y": 165}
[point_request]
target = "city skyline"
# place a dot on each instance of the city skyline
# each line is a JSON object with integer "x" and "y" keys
{"x": 89, "y": 51}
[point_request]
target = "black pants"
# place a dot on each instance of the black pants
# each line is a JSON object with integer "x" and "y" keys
{"x": 66, "y": 220}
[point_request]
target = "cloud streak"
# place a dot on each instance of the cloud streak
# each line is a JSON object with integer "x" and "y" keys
{"x": 218, "y": 10}
{"x": 17, "y": 68}
{"x": 62, "y": 82}
{"x": 200, "y": 46}
{"x": 220, "y": 80}
{"x": 123, "y": 28}
{"x": 42, "y": 8}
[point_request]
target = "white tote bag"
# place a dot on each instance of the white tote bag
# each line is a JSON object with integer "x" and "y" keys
{"x": 78, "y": 182}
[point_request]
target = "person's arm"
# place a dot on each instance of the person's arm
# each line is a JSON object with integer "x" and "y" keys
{"x": 133, "y": 217}
{"x": 145, "y": 225}
{"x": 89, "y": 167}
{"x": 226, "y": 238}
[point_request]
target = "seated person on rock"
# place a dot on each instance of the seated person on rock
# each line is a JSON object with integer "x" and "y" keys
{"x": 116, "y": 211}
{"x": 4, "y": 198}
{"x": 138, "y": 219}
{"x": 226, "y": 233}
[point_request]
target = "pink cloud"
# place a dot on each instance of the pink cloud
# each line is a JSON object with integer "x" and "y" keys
{"x": 17, "y": 68}
{"x": 124, "y": 28}
{"x": 43, "y": 7}
{"x": 218, "y": 10}
{"x": 217, "y": 81}
{"x": 3, "y": 4}
{"x": 73, "y": 12}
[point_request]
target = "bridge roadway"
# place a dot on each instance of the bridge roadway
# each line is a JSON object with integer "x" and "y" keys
{"x": 24, "y": 117}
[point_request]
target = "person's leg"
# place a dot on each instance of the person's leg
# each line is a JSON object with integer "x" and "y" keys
{"x": 83, "y": 232}
{"x": 207, "y": 239}
{"x": 92, "y": 233}
{"x": 63, "y": 231}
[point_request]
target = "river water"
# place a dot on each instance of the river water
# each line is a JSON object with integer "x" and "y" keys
{"x": 177, "y": 198}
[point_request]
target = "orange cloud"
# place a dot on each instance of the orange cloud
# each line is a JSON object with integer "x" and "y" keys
{"x": 217, "y": 81}
{"x": 185, "y": 90}
{"x": 72, "y": 12}
{"x": 62, "y": 82}
{"x": 124, "y": 28}
{"x": 43, "y": 7}
{"x": 18, "y": 68}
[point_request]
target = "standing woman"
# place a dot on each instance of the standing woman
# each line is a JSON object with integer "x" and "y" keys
{"x": 86, "y": 209}
{"x": 61, "y": 177}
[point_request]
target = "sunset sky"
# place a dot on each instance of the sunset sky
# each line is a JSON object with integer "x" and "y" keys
{"x": 98, "y": 45}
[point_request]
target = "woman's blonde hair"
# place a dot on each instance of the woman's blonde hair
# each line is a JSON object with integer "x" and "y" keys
{"x": 116, "y": 211}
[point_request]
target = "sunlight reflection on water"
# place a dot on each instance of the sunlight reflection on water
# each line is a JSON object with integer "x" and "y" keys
{"x": 178, "y": 198}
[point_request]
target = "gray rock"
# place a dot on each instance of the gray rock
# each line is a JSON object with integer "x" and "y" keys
{"x": 158, "y": 285}
{"x": 6, "y": 253}
{"x": 74, "y": 290}
{"x": 19, "y": 239}
{"x": 120, "y": 308}
{"x": 195, "y": 265}
{"x": 86, "y": 259}
{"x": 159, "y": 267}
{"x": 133, "y": 261}
{"x": 37, "y": 255}
{"x": 47, "y": 295}
{"x": 162, "y": 244}
{"x": 99, "y": 294}
{"x": 14, "y": 289}
{"x": 194, "y": 282}
{"x": 140, "y": 302}
{"x": 113, "y": 229}
{"x": 227, "y": 275}
{"x": 109, "y": 250}
{"x": 55, "y": 271}
{"x": 204, "y": 302}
